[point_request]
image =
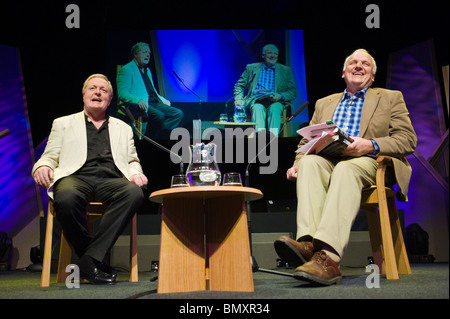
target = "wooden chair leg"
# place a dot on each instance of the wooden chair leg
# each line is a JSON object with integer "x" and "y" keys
{"x": 401, "y": 254}
{"x": 283, "y": 120}
{"x": 47, "y": 259}
{"x": 133, "y": 250}
{"x": 139, "y": 127}
{"x": 91, "y": 218}
{"x": 65, "y": 258}
{"x": 386, "y": 235}
{"x": 373, "y": 221}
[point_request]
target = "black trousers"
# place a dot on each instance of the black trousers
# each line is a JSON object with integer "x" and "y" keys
{"x": 71, "y": 195}
{"x": 158, "y": 117}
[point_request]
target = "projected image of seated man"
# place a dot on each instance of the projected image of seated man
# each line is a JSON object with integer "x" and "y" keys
{"x": 136, "y": 91}
{"x": 270, "y": 88}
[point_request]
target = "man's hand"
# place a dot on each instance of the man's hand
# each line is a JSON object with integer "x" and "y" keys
{"x": 43, "y": 176}
{"x": 143, "y": 105}
{"x": 140, "y": 180}
{"x": 359, "y": 147}
{"x": 239, "y": 102}
{"x": 291, "y": 174}
{"x": 275, "y": 97}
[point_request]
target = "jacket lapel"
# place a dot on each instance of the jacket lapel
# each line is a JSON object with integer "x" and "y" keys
{"x": 114, "y": 134}
{"x": 78, "y": 125}
{"x": 328, "y": 112}
{"x": 370, "y": 104}
{"x": 257, "y": 73}
{"x": 137, "y": 77}
{"x": 278, "y": 77}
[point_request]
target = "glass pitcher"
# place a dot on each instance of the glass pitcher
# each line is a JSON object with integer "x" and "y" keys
{"x": 203, "y": 169}
{"x": 239, "y": 115}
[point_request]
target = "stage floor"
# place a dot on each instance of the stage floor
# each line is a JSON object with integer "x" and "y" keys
{"x": 427, "y": 281}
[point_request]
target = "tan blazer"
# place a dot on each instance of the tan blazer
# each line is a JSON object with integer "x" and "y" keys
{"x": 384, "y": 118}
{"x": 66, "y": 149}
{"x": 284, "y": 83}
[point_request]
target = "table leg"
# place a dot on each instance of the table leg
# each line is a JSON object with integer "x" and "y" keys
{"x": 182, "y": 256}
{"x": 228, "y": 248}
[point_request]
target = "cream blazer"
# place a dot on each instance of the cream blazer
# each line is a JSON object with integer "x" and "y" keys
{"x": 131, "y": 87}
{"x": 66, "y": 149}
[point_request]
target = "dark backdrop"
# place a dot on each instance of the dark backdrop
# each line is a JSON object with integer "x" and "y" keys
{"x": 56, "y": 60}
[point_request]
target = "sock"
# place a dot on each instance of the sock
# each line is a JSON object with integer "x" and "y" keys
{"x": 331, "y": 253}
{"x": 334, "y": 257}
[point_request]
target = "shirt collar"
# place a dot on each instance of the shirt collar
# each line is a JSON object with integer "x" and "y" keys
{"x": 360, "y": 94}
{"x": 106, "y": 117}
{"x": 269, "y": 68}
{"x": 103, "y": 126}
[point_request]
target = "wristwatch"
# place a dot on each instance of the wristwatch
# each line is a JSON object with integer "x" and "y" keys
{"x": 376, "y": 148}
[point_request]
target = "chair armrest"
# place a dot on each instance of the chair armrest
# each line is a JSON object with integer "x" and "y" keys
{"x": 383, "y": 162}
{"x": 383, "y": 159}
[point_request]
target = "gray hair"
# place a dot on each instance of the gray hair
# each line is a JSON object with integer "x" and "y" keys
{"x": 97, "y": 75}
{"x": 135, "y": 48}
{"x": 268, "y": 46}
{"x": 374, "y": 69}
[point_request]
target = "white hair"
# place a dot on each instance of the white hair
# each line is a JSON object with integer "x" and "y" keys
{"x": 273, "y": 46}
{"x": 137, "y": 47}
{"x": 374, "y": 69}
{"x": 97, "y": 75}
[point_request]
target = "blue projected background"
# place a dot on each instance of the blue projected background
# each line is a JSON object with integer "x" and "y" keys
{"x": 210, "y": 62}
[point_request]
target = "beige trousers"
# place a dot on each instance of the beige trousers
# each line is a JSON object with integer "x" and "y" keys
{"x": 329, "y": 197}
{"x": 273, "y": 112}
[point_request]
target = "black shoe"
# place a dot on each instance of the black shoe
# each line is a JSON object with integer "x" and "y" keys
{"x": 108, "y": 269}
{"x": 92, "y": 272}
{"x": 98, "y": 277}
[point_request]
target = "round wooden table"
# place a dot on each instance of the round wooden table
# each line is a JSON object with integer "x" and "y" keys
{"x": 204, "y": 238}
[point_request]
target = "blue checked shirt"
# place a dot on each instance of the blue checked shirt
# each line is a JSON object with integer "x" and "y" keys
{"x": 348, "y": 113}
{"x": 266, "y": 79}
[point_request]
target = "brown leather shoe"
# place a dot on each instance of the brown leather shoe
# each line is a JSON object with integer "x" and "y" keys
{"x": 320, "y": 270}
{"x": 296, "y": 253}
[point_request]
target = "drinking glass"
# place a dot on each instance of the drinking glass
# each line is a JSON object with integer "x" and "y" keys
{"x": 223, "y": 117}
{"x": 232, "y": 179}
{"x": 179, "y": 180}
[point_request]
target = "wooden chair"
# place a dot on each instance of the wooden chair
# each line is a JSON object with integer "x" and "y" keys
{"x": 385, "y": 231}
{"x": 284, "y": 117}
{"x": 94, "y": 210}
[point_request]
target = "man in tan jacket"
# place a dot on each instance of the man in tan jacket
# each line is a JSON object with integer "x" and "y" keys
{"x": 275, "y": 80}
{"x": 91, "y": 156}
{"x": 329, "y": 189}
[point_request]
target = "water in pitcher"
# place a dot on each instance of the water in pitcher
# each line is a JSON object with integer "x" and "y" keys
{"x": 204, "y": 177}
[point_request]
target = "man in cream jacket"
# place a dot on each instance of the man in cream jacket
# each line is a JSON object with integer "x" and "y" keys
{"x": 91, "y": 156}
{"x": 136, "y": 91}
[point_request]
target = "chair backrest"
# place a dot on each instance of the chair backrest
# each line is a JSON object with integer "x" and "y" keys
{"x": 95, "y": 208}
